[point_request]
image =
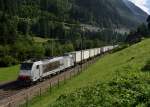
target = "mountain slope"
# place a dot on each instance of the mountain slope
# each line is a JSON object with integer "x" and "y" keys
{"x": 136, "y": 10}
{"x": 106, "y": 13}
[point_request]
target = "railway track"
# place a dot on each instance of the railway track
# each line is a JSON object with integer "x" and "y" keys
{"x": 12, "y": 95}
{"x": 9, "y": 89}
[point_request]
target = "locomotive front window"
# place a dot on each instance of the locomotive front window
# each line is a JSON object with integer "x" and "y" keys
{"x": 37, "y": 67}
{"x": 26, "y": 66}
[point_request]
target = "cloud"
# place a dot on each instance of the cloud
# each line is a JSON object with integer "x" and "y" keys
{"x": 143, "y": 4}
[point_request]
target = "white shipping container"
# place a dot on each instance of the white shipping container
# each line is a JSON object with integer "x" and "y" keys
{"x": 115, "y": 46}
{"x": 99, "y": 51}
{"x": 104, "y": 49}
{"x": 95, "y": 51}
{"x": 110, "y": 47}
{"x": 68, "y": 62}
{"x": 76, "y": 56}
{"x": 92, "y": 53}
{"x": 86, "y": 54}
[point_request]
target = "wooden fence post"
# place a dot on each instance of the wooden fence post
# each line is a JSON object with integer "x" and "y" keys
{"x": 50, "y": 87}
{"x": 70, "y": 75}
{"x": 9, "y": 105}
{"x": 64, "y": 78}
{"x": 40, "y": 96}
{"x": 27, "y": 100}
{"x": 58, "y": 82}
{"x": 73, "y": 72}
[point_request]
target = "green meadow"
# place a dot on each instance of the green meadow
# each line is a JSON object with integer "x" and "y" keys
{"x": 9, "y": 73}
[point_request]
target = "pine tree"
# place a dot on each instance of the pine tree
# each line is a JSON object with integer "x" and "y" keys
{"x": 148, "y": 21}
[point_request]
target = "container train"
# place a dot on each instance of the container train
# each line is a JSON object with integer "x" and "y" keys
{"x": 33, "y": 71}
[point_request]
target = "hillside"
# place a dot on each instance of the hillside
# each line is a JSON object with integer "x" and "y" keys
{"x": 60, "y": 21}
{"x": 109, "y": 13}
{"x": 117, "y": 13}
{"x": 62, "y": 18}
{"x": 125, "y": 65}
{"x": 139, "y": 13}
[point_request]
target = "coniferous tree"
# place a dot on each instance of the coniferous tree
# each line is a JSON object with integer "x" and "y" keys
{"x": 148, "y": 21}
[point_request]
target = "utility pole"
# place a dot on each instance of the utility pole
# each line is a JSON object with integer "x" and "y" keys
{"x": 82, "y": 28}
{"x": 52, "y": 49}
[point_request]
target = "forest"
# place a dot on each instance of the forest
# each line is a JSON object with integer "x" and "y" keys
{"x": 58, "y": 21}
{"x": 22, "y": 20}
{"x": 142, "y": 31}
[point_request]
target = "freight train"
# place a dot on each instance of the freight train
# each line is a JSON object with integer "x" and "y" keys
{"x": 33, "y": 71}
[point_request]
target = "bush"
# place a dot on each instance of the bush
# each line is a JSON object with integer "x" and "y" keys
{"x": 121, "y": 47}
{"x": 7, "y": 61}
{"x": 146, "y": 67}
{"x": 37, "y": 51}
{"x": 131, "y": 91}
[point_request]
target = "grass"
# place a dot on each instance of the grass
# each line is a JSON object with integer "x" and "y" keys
{"x": 8, "y": 73}
{"x": 104, "y": 70}
{"x": 40, "y": 40}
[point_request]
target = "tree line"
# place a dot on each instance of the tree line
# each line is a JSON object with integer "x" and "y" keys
{"x": 22, "y": 20}
{"x": 143, "y": 31}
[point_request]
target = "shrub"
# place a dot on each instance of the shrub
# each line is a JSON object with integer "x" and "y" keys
{"x": 121, "y": 47}
{"x": 7, "y": 61}
{"x": 122, "y": 92}
{"x": 147, "y": 66}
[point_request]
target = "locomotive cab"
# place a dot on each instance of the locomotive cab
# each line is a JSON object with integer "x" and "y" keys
{"x": 25, "y": 71}
{"x": 30, "y": 71}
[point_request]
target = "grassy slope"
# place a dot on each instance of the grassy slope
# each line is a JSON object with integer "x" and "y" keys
{"x": 40, "y": 40}
{"x": 104, "y": 70}
{"x": 9, "y": 73}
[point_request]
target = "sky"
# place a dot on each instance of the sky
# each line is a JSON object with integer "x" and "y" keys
{"x": 143, "y": 4}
